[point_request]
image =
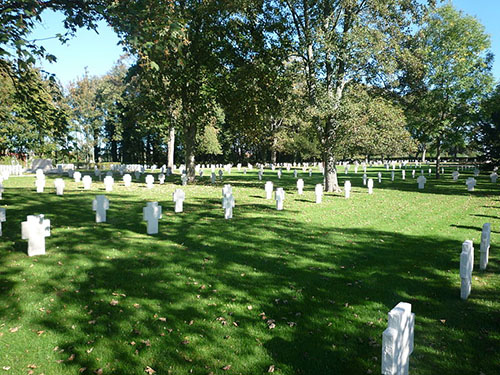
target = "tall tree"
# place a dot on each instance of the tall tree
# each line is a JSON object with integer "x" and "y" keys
{"x": 340, "y": 41}
{"x": 453, "y": 75}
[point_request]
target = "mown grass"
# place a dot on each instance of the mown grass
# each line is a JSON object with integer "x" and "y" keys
{"x": 205, "y": 293}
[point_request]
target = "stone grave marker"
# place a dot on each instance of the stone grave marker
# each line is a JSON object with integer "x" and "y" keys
{"x": 260, "y": 174}
{"x": 150, "y": 181}
{"x": 1, "y": 189}
{"x": 77, "y": 176}
{"x": 212, "y": 178}
{"x": 3, "y": 217}
{"x": 97, "y": 172}
{"x": 71, "y": 173}
{"x": 310, "y": 172}
{"x": 279, "y": 173}
{"x": 87, "y": 182}
{"x": 161, "y": 177}
{"x": 379, "y": 175}
{"x": 109, "y": 173}
{"x": 40, "y": 184}
{"x": 201, "y": 173}
{"x": 178, "y": 197}
{"x": 347, "y": 189}
{"x": 397, "y": 340}
{"x": 370, "y": 186}
{"x": 485, "y": 246}
{"x": 280, "y": 198}
{"x": 100, "y": 204}
{"x": 364, "y": 179}
{"x": 403, "y": 174}
{"x": 228, "y": 205}
{"x": 127, "y": 180}
{"x": 476, "y": 172}
{"x": 455, "y": 175}
{"x": 108, "y": 183}
{"x": 184, "y": 179}
{"x": 227, "y": 189}
{"x": 137, "y": 175}
{"x": 59, "y": 185}
{"x": 35, "y": 229}
{"x": 470, "y": 182}
{"x": 318, "y": 192}
{"x": 494, "y": 177}
{"x": 392, "y": 175}
{"x": 421, "y": 180}
{"x": 220, "y": 174}
{"x": 413, "y": 173}
{"x": 300, "y": 186}
{"x": 466, "y": 267}
{"x": 269, "y": 189}
{"x": 152, "y": 213}
{"x": 39, "y": 174}
{"x": 295, "y": 173}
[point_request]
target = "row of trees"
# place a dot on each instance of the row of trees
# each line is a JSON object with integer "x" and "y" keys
{"x": 239, "y": 79}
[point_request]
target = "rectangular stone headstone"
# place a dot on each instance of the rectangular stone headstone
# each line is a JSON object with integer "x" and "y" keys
{"x": 485, "y": 246}
{"x": 466, "y": 267}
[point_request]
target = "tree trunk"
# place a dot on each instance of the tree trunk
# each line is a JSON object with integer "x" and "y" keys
{"x": 189, "y": 146}
{"x": 424, "y": 151}
{"x": 331, "y": 180}
{"x": 438, "y": 156}
{"x": 171, "y": 147}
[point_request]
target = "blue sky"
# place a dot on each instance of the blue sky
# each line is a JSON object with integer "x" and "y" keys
{"x": 98, "y": 52}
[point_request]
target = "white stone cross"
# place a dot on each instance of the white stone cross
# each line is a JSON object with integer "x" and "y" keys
{"x": 370, "y": 186}
{"x": 310, "y": 172}
{"x": 152, "y": 213}
{"x": 485, "y": 246}
{"x": 392, "y": 175}
{"x": 245, "y": 170}
{"x": 379, "y": 175}
{"x": 269, "y": 189}
{"x": 397, "y": 340}
{"x": 100, "y": 204}
{"x": 413, "y": 173}
{"x": 226, "y": 189}
{"x": 280, "y": 198}
{"x": 150, "y": 181}
{"x": 403, "y": 174}
{"x": 421, "y": 180}
{"x": 346, "y": 169}
{"x": 279, "y": 173}
{"x": 288, "y": 168}
{"x": 184, "y": 178}
{"x": 347, "y": 189}
{"x": 77, "y": 176}
{"x": 59, "y": 185}
{"x": 108, "y": 183}
{"x": 97, "y": 172}
{"x": 87, "y": 182}
{"x": 470, "y": 182}
{"x": 220, "y": 174}
{"x": 127, "y": 180}
{"x": 40, "y": 184}
{"x": 364, "y": 179}
{"x": 260, "y": 175}
{"x": 494, "y": 177}
{"x": 35, "y": 229}
{"x": 161, "y": 177}
{"x": 476, "y": 172}
{"x": 430, "y": 171}
{"x": 3, "y": 217}
{"x": 212, "y": 178}
{"x": 466, "y": 267}
{"x": 295, "y": 173}
{"x": 178, "y": 197}
{"x": 300, "y": 186}
{"x": 228, "y": 205}
{"x": 455, "y": 175}
{"x": 318, "y": 191}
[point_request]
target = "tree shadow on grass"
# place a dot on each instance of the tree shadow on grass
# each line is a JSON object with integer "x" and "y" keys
{"x": 179, "y": 301}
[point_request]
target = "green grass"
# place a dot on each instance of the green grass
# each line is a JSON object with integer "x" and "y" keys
{"x": 202, "y": 294}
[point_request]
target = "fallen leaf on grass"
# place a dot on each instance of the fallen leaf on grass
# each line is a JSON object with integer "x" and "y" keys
{"x": 14, "y": 329}
{"x": 32, "y": 366}
{"x": 71, "y": 357}
{"x": 226, "y": 367}
{"x": 113, "y": 302}
{"x": 271, "y": 368}
{"x": 136, "y": 305}
{"x": 6, "y": 368}
{"x": 82, "y": 369}
{"x": 39, "y": 332}
{"x": 162, "y": 319}
{"x": 99, "y": 371}
{"x": 149, "y": 370}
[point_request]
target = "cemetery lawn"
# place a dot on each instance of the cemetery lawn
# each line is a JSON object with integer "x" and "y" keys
{"x": 300, "y": 291}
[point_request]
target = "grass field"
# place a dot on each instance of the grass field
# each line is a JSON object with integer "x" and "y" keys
{"x": 306, "y": 290}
